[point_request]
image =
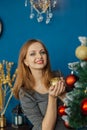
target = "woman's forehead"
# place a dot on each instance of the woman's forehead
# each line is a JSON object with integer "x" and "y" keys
{"x": 35, "y": 46}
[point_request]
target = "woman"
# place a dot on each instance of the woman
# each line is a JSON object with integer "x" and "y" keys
{"x": 39, "y": 99}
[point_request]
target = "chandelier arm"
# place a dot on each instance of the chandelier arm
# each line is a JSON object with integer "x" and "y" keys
{"x": 42, "y": 7}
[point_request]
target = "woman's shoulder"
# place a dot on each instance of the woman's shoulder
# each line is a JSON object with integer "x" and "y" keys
{"x": 25, "y": 93}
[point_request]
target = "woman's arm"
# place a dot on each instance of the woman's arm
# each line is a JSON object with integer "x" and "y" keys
{"x": 49, "y": 120}
{"x": 51, "y": 114}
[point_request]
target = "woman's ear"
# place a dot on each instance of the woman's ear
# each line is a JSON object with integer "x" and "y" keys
{"x": 25, "y": 62}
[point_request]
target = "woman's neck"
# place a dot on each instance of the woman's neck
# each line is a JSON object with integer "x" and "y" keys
{"x": 37, "y": 75}
{"x": 39, "y": 85}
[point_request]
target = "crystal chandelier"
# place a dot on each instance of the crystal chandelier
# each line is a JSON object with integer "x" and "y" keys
{"x": 41, "y": 7}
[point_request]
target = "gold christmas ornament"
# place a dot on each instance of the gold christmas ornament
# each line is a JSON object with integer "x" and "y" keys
{"x": 54, "y": 80}
{"x": 81, "y": 52}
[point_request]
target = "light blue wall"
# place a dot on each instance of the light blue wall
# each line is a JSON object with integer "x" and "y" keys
{"x": 60, "y": 36}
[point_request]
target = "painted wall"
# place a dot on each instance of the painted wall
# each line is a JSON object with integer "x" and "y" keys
{"x": 60, "y": 36}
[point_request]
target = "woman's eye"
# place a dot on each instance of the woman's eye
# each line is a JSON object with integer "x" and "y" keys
{"x": 42, "y": 52}
{"x": 32, "y": 54}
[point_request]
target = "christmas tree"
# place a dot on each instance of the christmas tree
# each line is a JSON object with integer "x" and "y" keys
{"x": 76, "y": 100}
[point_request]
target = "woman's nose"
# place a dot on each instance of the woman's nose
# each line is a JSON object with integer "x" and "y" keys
{"x": 39, "y": 55}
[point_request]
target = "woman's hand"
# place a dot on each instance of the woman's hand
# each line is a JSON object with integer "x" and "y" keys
{"x": 57, "y": 89}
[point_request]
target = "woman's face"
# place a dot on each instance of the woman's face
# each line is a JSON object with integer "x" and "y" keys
{"x": 36, "y": 57}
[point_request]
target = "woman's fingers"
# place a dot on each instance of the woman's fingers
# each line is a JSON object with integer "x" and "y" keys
{"x": 57, "y": 89}
{"x": 61, "y": 87}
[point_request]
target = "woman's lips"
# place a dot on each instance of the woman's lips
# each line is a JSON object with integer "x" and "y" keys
{"x": 39, "y": 62}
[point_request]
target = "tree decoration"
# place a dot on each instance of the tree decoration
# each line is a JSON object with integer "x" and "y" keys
{"x": 71, "y": 79}
{"x": 84, "y": 106}
{"x": 66, "y": 123}
{"x": 61, "y": 110}
{"x": 81, "y": 51}
{"x": 54, "y": 80}
{"x": 76, "y": 100}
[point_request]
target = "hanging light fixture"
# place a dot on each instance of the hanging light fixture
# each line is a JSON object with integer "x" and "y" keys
{"x": 41, "y": 7}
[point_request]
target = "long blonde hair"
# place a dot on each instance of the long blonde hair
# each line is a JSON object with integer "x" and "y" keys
{"x": 24, "y": 76}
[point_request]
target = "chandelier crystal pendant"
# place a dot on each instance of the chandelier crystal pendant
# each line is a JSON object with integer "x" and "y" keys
{"x": 41, "y": 7}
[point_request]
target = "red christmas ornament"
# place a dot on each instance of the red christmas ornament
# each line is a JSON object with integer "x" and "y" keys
{"x": 84, "y": 106}
{"x": 61, "y": 110}
{"x": 71, "y": 79}
{"x": 85, "y": 59}
{"x": 66, "y": 123}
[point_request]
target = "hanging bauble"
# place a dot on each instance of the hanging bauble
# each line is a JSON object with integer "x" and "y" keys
{"x": 66, "y": 123}
{"x": 84, "y": 106}
{"x": 71, "y": 79}
{"x": 61, "y": 110}
{"x": 81, "y": 52}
